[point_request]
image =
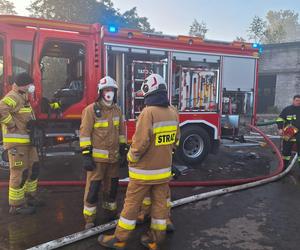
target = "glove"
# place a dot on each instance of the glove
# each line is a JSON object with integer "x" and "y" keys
{"x": 88, "y": 161}
{"x": 30, "y": 125}
{"x": 122, "y": 149}
{"x": 123, "y": 155}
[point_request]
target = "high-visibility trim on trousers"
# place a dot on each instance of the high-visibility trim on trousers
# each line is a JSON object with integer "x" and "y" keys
{"x": 17, "y": 138}
{"x": 16, "y": 194}
{"x": 31, "y": 186}
{"x": 126, "y": 224}
{"x": 89, "y": 211}
{"x": 159, "y": 225}
{"x": 85, "y": 141}
{"x": 149, "y": 175}
{"x": 99, "y": 153}
{"x": 147, "y": 201}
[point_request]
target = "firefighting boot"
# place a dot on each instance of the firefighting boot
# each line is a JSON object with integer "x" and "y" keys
{"x": 34, "y": 201}
{"x": 23, "y": 210}
{"x": 147, "y": 242}
{"x": 170, "y": 226}
{"x": 111, "y": 241}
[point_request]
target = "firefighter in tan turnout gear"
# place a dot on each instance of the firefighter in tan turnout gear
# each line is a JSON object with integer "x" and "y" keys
{"x": 150, "y": 160}
{"x": 15, "y": 113}
{"x": 101, "y": 133}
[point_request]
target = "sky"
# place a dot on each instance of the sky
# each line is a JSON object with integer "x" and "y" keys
{"x": 225, "y": 19}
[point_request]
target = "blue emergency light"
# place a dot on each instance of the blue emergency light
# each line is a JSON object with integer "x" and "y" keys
{"x": 258, "y": 46}
{"x": 255, "y": 45}
{"x": 112, "y": 29}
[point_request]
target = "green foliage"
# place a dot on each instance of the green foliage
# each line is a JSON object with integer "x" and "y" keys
{"x": 198, "y": 29}
{"x": 279, "y": 26}
{"x": 7, "y": 7}
{"x": 88, "y": 11}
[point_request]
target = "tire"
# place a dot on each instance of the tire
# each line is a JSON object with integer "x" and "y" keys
{"x": 195, "y": 144}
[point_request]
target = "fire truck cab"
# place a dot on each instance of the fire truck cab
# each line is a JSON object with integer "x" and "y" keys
{"x": 207, "y": 80}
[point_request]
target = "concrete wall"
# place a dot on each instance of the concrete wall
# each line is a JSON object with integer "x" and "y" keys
{"x": 282, "y": 60}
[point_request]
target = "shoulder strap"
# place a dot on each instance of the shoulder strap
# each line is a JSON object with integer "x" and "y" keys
{"x": 97, "y": 109}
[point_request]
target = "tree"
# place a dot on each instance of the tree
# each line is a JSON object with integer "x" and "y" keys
{"x": 87, "y": 11}
{"x": 282, "y": 26}
{"x": 279, "y": 26}
{"x": 198, "y": 29}
{"x": 7, "y": 7}
{"x": 257, "y": 29}
{"x": 240, "y": 39}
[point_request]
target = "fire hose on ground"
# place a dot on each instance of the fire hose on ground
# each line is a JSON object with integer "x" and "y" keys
{"x": 189, "y": 183}
{"x": 108, "y": 226}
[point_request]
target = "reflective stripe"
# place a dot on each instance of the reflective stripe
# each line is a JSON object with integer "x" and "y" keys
{"x": 279, "y": 119}
{"x": 7, "y": 119}
{"x": 18, "y": 138}
{"x": 16, "y": 194}
{"x": 169, "y": 204}
{"x": 101, "y": 124}
{"x": 31, "y": 186}
{"x": 55, "y": 105}
{"x": 9, "y": 101}
{"x": 126, "y": 224}
{"x": 131, "y": 158}
{"x": 287, "y": 158}
{"x": 98, "y": 153}
{"x": 112, "y": 206}
{"x": 116, "y": 121}
{"x": 147, "y": 201}
{"x": 89, "y": 211}
{"x": 85, "y": 141}
{"x": 166, "y": 126}
{"x": 25, "y": 110}
{"x": 177, "y": 143}
{"x": 122, "y": 139}
{"x": 159, "y": 225}
{"x": 149, "y": 175}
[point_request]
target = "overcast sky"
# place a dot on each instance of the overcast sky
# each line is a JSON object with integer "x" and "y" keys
{"x": 225, "y": 19}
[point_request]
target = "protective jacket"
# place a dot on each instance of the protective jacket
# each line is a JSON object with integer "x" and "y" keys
{"x": 104, "y": 133}
{"x": 15, "y": 112}
{"x": 289, "y": 116}
{"x": 150, "y": 155}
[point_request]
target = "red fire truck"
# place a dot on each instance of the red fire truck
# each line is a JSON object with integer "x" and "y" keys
{"x": 206, "y": 79}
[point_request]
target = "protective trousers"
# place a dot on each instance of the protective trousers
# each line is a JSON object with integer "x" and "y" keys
{"x": 159, "y": 212}
{"x": 287, "y": 147}
{"x": 146, "y": 207}
{"x": 24, "y": 171}
{"x": 108, "y": 175}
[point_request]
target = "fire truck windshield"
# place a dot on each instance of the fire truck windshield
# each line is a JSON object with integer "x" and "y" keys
{"x": 62, "y": 69}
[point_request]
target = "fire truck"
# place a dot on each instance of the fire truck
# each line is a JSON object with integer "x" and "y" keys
{"x": 208, "y": 81}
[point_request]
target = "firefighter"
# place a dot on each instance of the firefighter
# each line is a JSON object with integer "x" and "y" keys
{"x": 101, "y": 133}
{"x": 288, "y": 124}
{"x": 15, "y": 115}
{"x": 150, "y": 160}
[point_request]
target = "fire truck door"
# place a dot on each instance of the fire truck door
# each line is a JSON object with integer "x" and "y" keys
{"x": 60, "y": 71}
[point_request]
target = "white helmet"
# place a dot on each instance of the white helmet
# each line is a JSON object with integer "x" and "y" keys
{"x": 153, "y": 83}
{"x": 107, "y": 82}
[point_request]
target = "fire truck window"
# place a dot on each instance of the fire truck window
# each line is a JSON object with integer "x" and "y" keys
{"x": 1, "y": 66}
{"x": 21, "y": 56}
{"x": 238, "y": 85}
{"x": 130, "y": 66}
{"x": 195, "y": 82}
{"x": 62, "y": 69}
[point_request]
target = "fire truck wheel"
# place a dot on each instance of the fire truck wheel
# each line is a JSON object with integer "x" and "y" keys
{"x": 194, "y": 145}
